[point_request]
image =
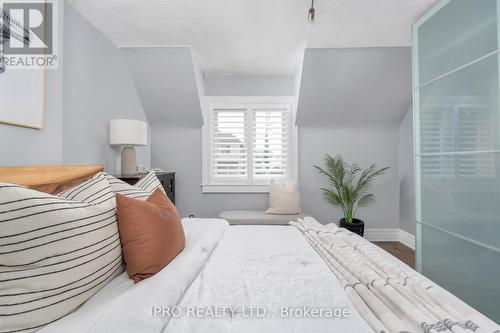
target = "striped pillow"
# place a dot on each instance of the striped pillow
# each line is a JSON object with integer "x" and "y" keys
{"x": 55, "y": 251}
{"x": 141, "y": 190}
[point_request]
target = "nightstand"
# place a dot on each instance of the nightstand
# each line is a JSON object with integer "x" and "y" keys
{"x": 167, "y": 180}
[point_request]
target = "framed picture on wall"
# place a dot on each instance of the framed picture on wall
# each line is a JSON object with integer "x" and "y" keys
{"x": 22, "y": 95}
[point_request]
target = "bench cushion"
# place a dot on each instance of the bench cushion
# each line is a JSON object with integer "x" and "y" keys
{"x": 256, "y": 217}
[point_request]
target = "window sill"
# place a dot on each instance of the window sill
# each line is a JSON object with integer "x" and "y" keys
{"x": 234, "y": 188}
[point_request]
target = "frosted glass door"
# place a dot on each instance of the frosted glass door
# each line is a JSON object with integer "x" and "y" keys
{"x": 457, "y": 131}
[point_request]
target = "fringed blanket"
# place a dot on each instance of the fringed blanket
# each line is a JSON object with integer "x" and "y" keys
{"x": 389, "y": 295}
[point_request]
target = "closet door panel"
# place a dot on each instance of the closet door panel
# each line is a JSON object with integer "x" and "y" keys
{"x": 460, "y": 194}
{"x": 457, "y": 133}
{"x": 446, "y": 43}
{"x": 463, "y": 268}
{"x": 460, "y": 112}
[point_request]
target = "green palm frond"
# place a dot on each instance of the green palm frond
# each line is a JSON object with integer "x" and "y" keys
{"x": 331, "y": 196}
{"x": 366, "y": 199}
{"x": 348, "y": 184}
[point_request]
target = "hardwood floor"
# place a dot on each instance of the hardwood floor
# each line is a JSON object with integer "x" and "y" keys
{"x": 402, "y": 252}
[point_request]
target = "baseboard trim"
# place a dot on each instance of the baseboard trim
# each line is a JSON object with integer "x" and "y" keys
{"x": 390, "y": 235}
{"x": 382, "y": 235}
{"x": 407, "y": 239}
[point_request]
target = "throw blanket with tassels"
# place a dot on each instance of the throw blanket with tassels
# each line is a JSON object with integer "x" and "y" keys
{"x": 388, "y": 294}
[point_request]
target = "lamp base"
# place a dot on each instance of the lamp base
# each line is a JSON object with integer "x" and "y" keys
{"x": 129, "y": 161}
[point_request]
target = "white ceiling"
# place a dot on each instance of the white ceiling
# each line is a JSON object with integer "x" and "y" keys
{"x": 253, "y": 36}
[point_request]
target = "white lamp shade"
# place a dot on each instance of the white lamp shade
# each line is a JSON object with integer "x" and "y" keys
{"x": 128, "y": 132}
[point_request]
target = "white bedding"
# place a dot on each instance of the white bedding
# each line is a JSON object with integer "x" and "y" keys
{"x": 122, "y": 306}
{"x": 238, "y": 266}
{"x": 391, "y": 296}
{"x": 271, "y": 267}
{"x": 228, "y": 279}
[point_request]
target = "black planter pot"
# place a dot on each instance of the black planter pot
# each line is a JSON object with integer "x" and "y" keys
{"x": 357, "y": 226}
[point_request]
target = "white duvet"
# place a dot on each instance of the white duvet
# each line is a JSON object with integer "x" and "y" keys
{"x": 271, "y": 269}
{"x": 122, "y": 306}
{"x": 227, "y": 277}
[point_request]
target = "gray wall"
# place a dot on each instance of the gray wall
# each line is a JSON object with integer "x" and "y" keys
{"x": 166, "y": 84}
{"x": 97, "y": 88}
{"x": 360, "y": 145}
{"x": 407, "y": 217}
{"x": 249, "y": 85}
{"x": 363, "y": 146}
{"x": 174, "y": 111}
{"x": 178, "y": 148}
{"x": 319, "y": 133}
{"x": 24, "y": 146}
{"x": 355, "y": 87}
{"x": 351, "y": 103}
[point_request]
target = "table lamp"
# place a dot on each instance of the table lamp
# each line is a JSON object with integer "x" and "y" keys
{"x": 128, "y": 133}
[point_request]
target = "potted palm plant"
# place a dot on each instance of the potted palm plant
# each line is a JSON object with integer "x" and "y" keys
{"x": 348, "y": 189}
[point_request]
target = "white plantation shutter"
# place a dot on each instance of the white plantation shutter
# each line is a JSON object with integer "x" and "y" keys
{"x": 475, "y": 134}
{"x": 249, "y": 143}
{"x": 436, "y": 131}
{"x": 270, "y": 142}
{"x": 229, "y": 144}
{"x": 461, "y": 127}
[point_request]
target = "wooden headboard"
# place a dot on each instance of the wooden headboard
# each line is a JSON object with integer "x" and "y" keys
{"x": 49, "y": 179}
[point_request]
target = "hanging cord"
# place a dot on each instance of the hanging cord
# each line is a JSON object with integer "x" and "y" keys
{"x": 312, "y": 12}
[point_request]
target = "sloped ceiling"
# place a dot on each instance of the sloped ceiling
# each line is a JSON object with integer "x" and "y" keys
{"x": 355, "y": 87}
{"x": 253, "y": 37}
{"x": 165, "y": 80}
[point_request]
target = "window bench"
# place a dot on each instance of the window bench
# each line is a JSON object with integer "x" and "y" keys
{"x": 255, "y": 217}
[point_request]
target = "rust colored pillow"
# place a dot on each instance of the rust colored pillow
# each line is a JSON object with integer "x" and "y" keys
{"x": 151, "y": 233}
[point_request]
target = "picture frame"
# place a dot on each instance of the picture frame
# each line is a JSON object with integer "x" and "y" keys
{"x": 23, "y": 98}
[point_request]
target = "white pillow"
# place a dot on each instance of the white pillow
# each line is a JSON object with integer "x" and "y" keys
{"x": 284, "y": 198}
{"x": 55, "y": 251}
{"x": 141, "y": 190}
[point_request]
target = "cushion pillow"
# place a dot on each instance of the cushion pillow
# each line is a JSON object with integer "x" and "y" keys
{"x": 141, "y": 190}
{"x": 149, "y": 183}
{"x": 151, "y": 233}
{"x": 284, "y": 198}
{"x": 55, "y": 251}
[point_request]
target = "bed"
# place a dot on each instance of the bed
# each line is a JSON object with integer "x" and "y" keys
{"x": 251, "y": 278}
{"x": 222, "y": 266}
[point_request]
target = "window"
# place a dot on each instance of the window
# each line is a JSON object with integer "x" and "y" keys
{"x": 248, "y": 142}
{"x": 461, "y": 126}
